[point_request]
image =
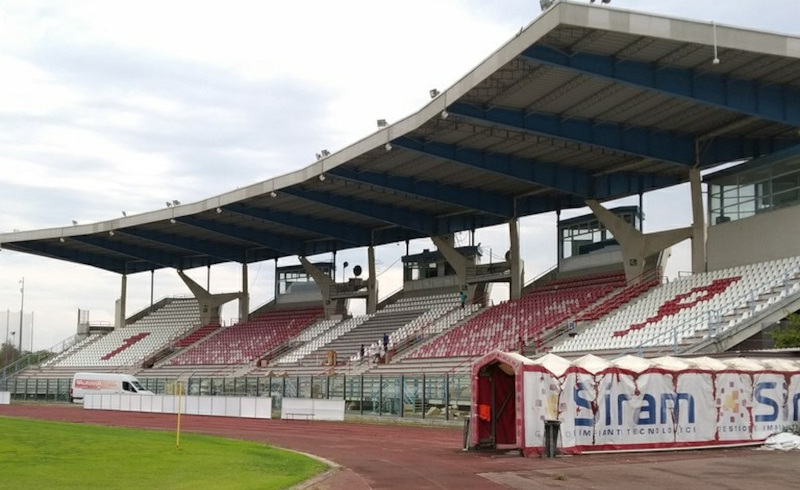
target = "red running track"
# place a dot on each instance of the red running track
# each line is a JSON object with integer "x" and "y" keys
{"x": 410, "y": 457}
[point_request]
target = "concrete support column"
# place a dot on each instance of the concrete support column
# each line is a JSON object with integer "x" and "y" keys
{"x": 515, "y": 291}
{"x": 323, "y": 282}
{"x": 244, "y": 300}
{"x": 698, "y": 222}
{"x": 123, "y": 300}
{"x": 636, "y": 246}
{"x": 458, "y": 262}
{"x": 372, "y": 283}
{"x": 210, "y": 304}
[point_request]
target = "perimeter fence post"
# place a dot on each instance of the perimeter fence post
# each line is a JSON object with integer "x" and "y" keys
{"x": 447, "y": 396}
{"x": 361, "y": 395}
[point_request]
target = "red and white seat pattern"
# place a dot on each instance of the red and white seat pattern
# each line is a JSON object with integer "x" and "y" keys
{"x": 690, "y": 308}
{"x": 529, "y": 317}
{"x": 248, "y": 341}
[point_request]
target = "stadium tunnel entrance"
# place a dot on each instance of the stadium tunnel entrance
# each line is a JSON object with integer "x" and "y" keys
{"x": 495, "y": 405}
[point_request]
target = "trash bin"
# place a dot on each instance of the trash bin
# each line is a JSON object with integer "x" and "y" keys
{"x": 551, "y": 438}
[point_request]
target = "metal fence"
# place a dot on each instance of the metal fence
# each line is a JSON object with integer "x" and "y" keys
{"x": 434, "y": 396}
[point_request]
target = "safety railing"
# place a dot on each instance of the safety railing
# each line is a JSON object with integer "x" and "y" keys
{"x": 430, "y": 396}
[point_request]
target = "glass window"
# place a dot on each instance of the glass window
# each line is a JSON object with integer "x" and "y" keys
{"x": 759, "y": 190}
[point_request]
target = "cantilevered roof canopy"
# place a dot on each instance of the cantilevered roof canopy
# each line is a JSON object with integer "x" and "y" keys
{"x": 586, "y": 102}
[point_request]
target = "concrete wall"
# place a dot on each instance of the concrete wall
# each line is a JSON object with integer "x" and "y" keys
{"x": 431, "y": 283}
{"x": 312, "y": 296}
{"x": 607, "y": 256}
{"x": 768, "y": 236}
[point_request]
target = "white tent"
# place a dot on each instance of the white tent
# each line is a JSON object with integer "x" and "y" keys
{"x": 632, "y": 403}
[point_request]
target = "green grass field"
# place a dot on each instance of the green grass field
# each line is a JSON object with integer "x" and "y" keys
{"x": 44, "y": 455}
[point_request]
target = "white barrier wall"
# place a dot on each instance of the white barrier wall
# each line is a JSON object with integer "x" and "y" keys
{"x": 312, "y": 409}
{"x": 5, "y": 397}
{"x": 221, "y": 406}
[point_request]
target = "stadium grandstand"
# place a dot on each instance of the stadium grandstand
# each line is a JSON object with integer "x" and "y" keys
{"x": 584, "y": 106}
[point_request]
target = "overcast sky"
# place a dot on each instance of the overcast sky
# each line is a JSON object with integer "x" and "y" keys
{"x": 111, "y": 106}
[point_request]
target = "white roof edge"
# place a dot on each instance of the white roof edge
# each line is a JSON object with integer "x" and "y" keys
{"x": 535, "y": 30}
{"x": 677, "y": 29}
{"x": 564, "y": 12}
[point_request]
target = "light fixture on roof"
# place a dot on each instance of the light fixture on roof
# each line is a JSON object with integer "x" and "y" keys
{"x": 273, "y": 194}
{"x": 433, "y": 93}
{"x": 169, "y": 204}
{"x": 325, "y": 153}
{"x": 601, "y": 1}
{"x": 546, "y": 4}
{"x": 716, "y": 53}
{"x": 176, "y": 202}
{"x": 124, "y": 213}
{"x": 445, "y": 114}
{"x": 382, "y": 123}
{"x": 319, "y": 157}
{"x": 74, "y": 222}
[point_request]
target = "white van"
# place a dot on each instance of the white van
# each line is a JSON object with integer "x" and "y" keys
{"x": 104, "y": 383}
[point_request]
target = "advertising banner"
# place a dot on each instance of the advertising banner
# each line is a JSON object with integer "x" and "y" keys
{"x": 667, "y": 403}
{"x": 578, "y": 404}
{"x": 620, "y": 409}
{"x": 543, "y": 391}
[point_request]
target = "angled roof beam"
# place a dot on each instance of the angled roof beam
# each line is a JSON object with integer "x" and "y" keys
{"x": 635, "y": 141}
{"x": 192, "y": 245}
{"x": 403, "y": 217}
{"x": 771, "y": 101}
{"x": 627, "y": 183}
{"x": 543, "y": 204}
{"x": 162, "y": 258}
{"x": 279, "y": 243}
{"x": 331, "y": 229}
{"x": 563, "y": 179}
{"x": 394, "y": 234}
{"x": 567, "y": 180}
{"x": 63, "y": 253}
{"x": 485, "y": 202}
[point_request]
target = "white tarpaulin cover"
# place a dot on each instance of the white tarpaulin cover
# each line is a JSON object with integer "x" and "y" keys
{"x": 635, "y": 403}
{"x": 782, "y": 441}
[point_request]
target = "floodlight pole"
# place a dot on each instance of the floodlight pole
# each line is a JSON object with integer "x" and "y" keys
{"x": 21, "y": 307}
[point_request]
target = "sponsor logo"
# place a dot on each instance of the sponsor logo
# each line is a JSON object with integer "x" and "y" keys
{"x": 654, "y": 409}
{"x": 95, "y": 384}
